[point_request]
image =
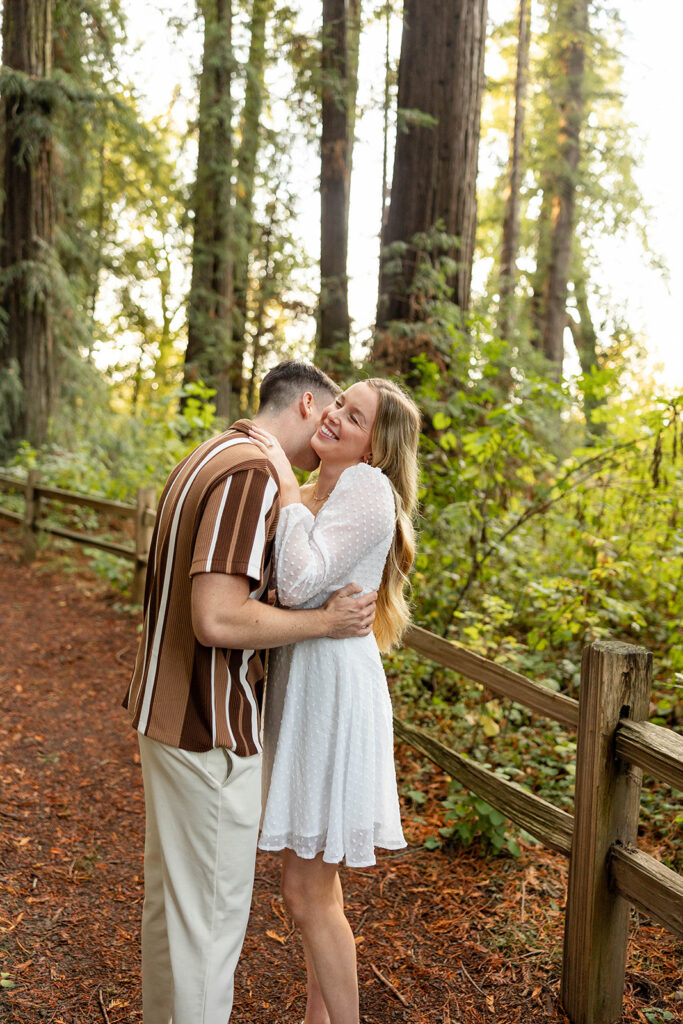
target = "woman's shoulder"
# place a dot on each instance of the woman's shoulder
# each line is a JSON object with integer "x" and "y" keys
{"x": 363, "y": 475}
{"x": 366, "y": 482}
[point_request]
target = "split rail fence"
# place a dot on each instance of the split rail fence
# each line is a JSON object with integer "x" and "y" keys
{"x": 33, "y": 521}
{"x": 615, "y": 744}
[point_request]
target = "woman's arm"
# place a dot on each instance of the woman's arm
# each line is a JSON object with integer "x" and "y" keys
{"x": 314, "y": 552}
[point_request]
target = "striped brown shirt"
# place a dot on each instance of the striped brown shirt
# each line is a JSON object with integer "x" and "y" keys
{"x": 218, "y": 513}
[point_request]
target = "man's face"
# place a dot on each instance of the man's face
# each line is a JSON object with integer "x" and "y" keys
{"x": 307, "y": 458}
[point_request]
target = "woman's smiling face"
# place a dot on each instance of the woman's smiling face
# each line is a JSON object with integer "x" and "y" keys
{"x": 345, "y": 429}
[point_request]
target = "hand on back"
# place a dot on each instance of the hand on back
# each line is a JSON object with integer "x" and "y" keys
{"x": 350, "y": 615}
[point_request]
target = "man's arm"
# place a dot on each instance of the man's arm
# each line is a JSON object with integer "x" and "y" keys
{"x": 223, "y": 615}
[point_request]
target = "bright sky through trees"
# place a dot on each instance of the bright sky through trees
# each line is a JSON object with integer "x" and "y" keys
{"x": 164, "y": 61}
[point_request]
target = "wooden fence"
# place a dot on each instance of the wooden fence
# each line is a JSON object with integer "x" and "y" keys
{"x": 615, "y": 743}
{"x": 35, "y": 497}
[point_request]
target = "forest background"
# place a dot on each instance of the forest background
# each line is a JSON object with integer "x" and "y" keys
{"x": 153, "y": 268}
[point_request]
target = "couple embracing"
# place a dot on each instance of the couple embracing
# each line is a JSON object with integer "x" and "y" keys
{"x": 233, "y": 524}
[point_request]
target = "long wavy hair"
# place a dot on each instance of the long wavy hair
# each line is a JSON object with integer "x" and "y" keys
{"x": 394, "y": 445}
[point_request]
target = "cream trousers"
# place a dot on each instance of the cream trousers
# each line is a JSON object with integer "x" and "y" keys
{"x": 202, "y": 812}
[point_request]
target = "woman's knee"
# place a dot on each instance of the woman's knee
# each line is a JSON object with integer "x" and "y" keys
{"x": 295, "y": 897}
{"x": 306, "y": 891}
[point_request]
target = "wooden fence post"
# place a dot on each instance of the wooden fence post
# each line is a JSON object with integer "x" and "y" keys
{"x": 146, "y": 503}
{"x": 615, "y": 684}
{"x": 31, "y": 514}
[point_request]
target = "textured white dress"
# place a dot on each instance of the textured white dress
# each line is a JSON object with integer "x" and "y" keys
{"x": 328, "y": 757}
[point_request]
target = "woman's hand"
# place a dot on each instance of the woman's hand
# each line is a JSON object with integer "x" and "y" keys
{"x": 271, "y": 447}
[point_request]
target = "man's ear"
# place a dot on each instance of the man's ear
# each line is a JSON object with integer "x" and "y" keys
{"x": 306, "y": 405}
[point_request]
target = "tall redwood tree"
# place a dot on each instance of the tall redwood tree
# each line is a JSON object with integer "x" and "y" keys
{"x": 510, "y": 242}
{"x": 28, "y": 218}
{"x": 209, "y": 345}
{"x": 556, "y": 222}
{"x": 440, "y": 83}
{"x": 333, "y": 322}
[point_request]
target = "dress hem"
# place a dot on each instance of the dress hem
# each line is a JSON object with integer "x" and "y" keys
{"x": 278, "y": 848}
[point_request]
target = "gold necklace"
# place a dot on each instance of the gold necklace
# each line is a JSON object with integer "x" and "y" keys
{"x": 316, "y": 498}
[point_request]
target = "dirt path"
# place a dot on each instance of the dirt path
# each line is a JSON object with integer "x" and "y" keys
{"x": 442, "y": 939}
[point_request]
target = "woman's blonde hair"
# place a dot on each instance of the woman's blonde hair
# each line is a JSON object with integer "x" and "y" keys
{"x": 394, "y": 445}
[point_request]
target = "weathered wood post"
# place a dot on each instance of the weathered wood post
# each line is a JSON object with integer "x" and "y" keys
{"x": 615, "y": 684}
{"x": 31, "y": 514}
{"x": 146, "y": 503}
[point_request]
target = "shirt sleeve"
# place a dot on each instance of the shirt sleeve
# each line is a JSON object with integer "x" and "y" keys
{"x": 311, "y": 552}
{"x": 236, "y": 525}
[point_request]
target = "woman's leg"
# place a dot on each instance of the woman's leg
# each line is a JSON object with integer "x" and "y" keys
{"x": 312, "y": 892}
{"x": 316, "y": 1010}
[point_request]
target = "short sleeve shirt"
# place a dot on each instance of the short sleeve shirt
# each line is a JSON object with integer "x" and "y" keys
{"x": 218, "y": 513}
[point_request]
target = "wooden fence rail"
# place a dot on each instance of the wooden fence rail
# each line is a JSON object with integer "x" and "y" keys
{"x": 607, "y": 871}
{"x": 143, "y": 512}
{"x": 615, "y": 744}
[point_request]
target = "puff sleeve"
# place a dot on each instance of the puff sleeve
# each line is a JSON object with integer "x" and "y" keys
{"x": 312, "y": 552}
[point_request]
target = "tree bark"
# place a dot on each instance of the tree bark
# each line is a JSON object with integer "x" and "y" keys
{"x": 257, "y": 341}
{"x": 386, "y": 104}
{"x": 209, "y": 346}
{"x": 586, "y": 342}
{"x": 353, "y": 31}
{"x": 570, "y": 28}
{"x": 333, "y": 353}
{"x": 510, "y": 243}
{"x": 28, "y": 218}
{"x": 441, "y": 75}
{"x": 246, "y": 170}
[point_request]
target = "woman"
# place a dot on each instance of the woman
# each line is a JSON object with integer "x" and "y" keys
{"x": 328, "y": 740}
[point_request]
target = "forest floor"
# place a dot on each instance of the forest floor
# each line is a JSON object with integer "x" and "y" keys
{"x": 442, "y": 937}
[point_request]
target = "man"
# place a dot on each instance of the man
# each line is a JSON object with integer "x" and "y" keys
{"x": 196, "y": 691}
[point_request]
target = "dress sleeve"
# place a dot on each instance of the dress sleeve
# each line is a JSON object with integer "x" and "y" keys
{"x": 311, "y": 552}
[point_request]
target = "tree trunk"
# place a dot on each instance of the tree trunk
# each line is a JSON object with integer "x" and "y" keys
{"x": 543, "y": 225}
{"x": 441, "y": 75}
{"x": 570, "y": 28}
{"x": 246, "y": 169}
{"x": 333, "y": 353}
{"x": 209, "y": 345}
{"x": 586, "y": 342}
{"x": 28, "y": 220}
{"x": 510, "y": 243}
{"x": 353, "y": 30}
{"x": 386, "y": 104}
{"x": 260, "y": 317}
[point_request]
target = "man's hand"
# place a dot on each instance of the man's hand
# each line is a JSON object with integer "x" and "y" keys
{"x": 223, "y": 615}
{"x": 349, "y": 615}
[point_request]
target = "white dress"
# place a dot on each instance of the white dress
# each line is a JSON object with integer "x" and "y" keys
{"x": 328, "y": 755}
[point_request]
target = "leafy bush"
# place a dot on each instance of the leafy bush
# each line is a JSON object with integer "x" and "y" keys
{"x": 536, "y": 539}
{"x": 468, "y": 819}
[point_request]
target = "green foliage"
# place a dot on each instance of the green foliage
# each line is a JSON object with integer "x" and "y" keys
{"x": 11, "y": 400}
{"x": 655, "y": 1015}
{"x": 532, "y": 545}
{"x": 113, "y": 455}
{"x": 468, "y": 819}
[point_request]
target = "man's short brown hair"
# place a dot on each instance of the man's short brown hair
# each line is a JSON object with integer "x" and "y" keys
{"x": 288, "y": 380}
